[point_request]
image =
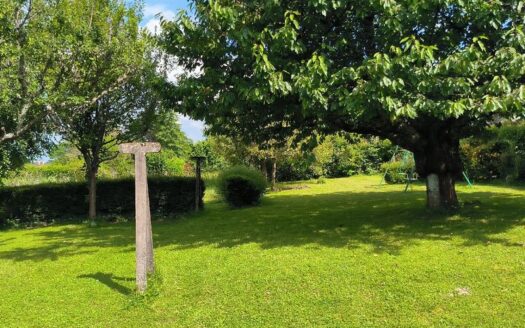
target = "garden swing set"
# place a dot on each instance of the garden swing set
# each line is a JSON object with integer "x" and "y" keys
{"x": 407, "y": 160}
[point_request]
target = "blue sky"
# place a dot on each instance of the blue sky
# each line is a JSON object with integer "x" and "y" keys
{"x": 168, "y": 9}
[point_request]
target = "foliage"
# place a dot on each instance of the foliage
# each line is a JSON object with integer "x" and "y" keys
{"x": 120, "y": 116}
{"x": 14, "y": 154}
{"x": 53, "y": 172}
{"x": 58, "y": 55}
{"x": 298, "y": 166}
{"x": 423, "y": 74}
{"x": 233, "y": 151}
{"x": 166, "y": 130}
{"x": 241, "y": 186}
{"x": 29, "y": 205}
{"x": 319, "y": 251}
{"x": 165, "y": 163}
{"x": 63, "y": 152}
{"x": 499, "y": 153}
{"x": 403, "y": 53}
{"x": 66, "y": 165}
{"x": 398, "y": 171}
{"x": 343, "y": 155}
{"x": 338, "y": 155}
{"x": 124, "y": 113}
{"x": 214, "y": 159}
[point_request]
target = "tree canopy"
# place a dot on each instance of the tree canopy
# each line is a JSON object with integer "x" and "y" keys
{"x": 56, "y": 55}
{"x": 423, "y": 74}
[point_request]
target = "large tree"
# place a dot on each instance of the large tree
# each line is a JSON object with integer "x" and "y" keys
{"x": 423, "y": 74}
{"x": 49, "y": 51}
{"x": 122, "y": 115}
{"x": 114, "y": 46}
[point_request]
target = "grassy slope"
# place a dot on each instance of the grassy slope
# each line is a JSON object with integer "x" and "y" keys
{"x": 345, "y": 253}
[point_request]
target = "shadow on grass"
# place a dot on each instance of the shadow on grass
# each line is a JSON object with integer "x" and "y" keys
{"x": 5, "y": 241}
{"x": 52, "y": 244}
{"x": 384, "y": 220}
{"x": 110, "y": 280}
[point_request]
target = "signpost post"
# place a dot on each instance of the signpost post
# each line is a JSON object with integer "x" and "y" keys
{"x": 198, "y": 162}
{"x": 143, "y": 233}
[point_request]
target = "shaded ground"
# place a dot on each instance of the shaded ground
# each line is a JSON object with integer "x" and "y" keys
{"x": 345, "y": 253}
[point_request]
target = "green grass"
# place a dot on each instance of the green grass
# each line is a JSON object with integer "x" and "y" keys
{"x": 342, "y": 254}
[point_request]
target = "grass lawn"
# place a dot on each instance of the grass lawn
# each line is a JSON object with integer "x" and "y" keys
{"x": 342, "y": 254}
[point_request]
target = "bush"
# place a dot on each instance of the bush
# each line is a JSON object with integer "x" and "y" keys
{"x": 396, "y": 172}
{"x": 296, "y": 167}
{"x": 241, "y": 186}
{"x": 28, "y": 205}
{"x": 498, "y": 153}
{"x": 343, "y": 155}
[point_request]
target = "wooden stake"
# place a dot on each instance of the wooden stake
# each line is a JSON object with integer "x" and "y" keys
{"x": 198, "y": 161}
{"x": 143, "y": 233}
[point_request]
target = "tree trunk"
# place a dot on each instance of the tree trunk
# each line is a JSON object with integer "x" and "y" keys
{"x": 264, "y": 169}
{"x": 92, "y": 198}
{"x": 433, "y": 194}
{"x": 274, "y": 174}
{"x": 440, "y": 163}
{"x": 447, "y": 190}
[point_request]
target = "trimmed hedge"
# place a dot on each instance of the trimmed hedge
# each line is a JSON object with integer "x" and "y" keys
{"x": 28, "y": 205}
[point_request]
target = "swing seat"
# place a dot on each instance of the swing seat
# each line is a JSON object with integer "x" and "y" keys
{"x": 412, "y": 177}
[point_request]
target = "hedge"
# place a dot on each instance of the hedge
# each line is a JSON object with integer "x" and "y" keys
{"x": 27, "y": 205}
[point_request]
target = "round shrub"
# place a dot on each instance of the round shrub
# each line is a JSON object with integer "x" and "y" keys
{"x": 241, "y": 186}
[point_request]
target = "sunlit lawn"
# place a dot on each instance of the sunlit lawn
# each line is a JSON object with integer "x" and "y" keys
{"x": 342, "y": 254}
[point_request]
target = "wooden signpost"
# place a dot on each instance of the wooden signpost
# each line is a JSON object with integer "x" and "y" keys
{"x": 198, "y": 162}
{"x": 143, "y": 233}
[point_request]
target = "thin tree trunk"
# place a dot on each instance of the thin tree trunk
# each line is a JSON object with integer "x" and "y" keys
{"x": 274, "y": 174}
{"x": 264, "y": 169}
{"x": 92, "y": 198}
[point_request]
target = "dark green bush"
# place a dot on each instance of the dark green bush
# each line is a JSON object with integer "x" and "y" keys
{"x": 294, "y": 168}
{"x": 28, "y": 205}
{"x": 498, "y": 153}
{"x": 397, "y": 172}
{"x": 241, "y": 186}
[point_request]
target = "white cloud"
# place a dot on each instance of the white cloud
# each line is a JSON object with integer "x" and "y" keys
{"x": 174, "y": 73}
{"x": 157, "y": 9}
{"x": 152, "y": 14}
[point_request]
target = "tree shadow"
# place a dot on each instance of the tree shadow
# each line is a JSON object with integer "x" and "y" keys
{"x": 110, "y": 280}
{"x": 5, "y": 241}
{"x": 52, "y": 244}
{"x": 386, "y": 221}
{"x": 378, "y": 220}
